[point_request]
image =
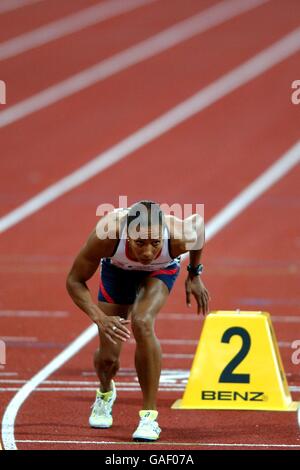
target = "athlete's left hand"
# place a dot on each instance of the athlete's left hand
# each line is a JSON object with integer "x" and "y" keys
{"x": 196, "y": 287}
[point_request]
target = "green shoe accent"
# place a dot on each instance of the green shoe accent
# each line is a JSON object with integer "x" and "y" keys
{"x": 150, "y": 414}
{"x": 106, "y": 396}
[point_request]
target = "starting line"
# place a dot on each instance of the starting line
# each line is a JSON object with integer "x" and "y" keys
{"x": 181, "y": 444}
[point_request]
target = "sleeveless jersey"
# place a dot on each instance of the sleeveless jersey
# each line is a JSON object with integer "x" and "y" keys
{"x": 121, "y": 257}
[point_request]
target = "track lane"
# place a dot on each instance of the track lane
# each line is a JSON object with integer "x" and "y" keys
{"x": 31, "y": 16}
{"x": 80, "y": 143}
{"x": 91, "y": 45}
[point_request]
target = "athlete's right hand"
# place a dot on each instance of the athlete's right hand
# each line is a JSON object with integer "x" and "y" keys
{"x": 113, "y": 328}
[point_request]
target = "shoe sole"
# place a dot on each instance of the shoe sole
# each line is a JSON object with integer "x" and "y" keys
{"x": 144, "y": 439}
{"x": 100, "y": 427}
{"x": 141, "y": 439}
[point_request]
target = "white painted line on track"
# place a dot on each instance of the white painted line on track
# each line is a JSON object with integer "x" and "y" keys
{"x": 67, "y": 25}
{"x": 10, "y": 5}
{"x": 162, "y": 316}
{"x": 10, "y": 414}
{"x": 19, "y": 339}
{"x": 130, "y": 372}
{"x": 268, "y": 178}
{"x": 33, "y": 314}
{"x": 87, "y": 389}
{"x": 211, "y": 94}
{"x": 184, "y": 342}
{"x": 136, "y": 388}
{"x": 182, "y": 444}
{"x": 8, "y": 374}
{"x": 276, "y": 171}
{"x": 285, "y": 319}
{"x": 195, "y": 317}
{"x": 177, "y": 356}
{"x": 121, "y": 61}
{"x": 89, "y": 383}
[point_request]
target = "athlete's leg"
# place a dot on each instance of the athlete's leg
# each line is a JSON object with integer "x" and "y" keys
{"x": 106, "y": 357}
{"x": 151, "y": 297}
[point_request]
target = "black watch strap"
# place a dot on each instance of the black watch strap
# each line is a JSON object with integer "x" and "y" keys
{"x": 195, "y": 270}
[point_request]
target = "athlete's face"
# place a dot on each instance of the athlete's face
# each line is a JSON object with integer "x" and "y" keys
{"x": 146, "y": 248}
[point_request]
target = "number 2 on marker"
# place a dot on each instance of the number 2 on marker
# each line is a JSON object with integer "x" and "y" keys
{"x": 227, "y": 375}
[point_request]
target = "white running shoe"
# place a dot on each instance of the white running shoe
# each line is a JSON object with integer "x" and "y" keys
{"x": 148, "y": 428}
{"x": 101, "y": 416}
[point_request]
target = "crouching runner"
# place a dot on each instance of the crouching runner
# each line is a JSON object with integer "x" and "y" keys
{"x": 139, "y": 251}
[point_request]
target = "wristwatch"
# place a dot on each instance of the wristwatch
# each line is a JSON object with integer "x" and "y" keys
{"x": 195, "y": 270}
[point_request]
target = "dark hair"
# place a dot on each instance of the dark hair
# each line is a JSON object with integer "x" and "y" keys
{"x": 145, "y": 214}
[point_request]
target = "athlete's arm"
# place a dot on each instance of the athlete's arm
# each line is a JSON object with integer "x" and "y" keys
{"x": 85, "y": 265}
{"x": 188, "y": 235}
{"x": 194, "y": 284}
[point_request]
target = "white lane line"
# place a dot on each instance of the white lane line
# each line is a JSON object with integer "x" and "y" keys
{"x": 163, "y": 382}
{"x": 183, "y": 444}
{"x": 10, "y": 5}
{"x": 140, "y": 52}
{"x": 88, "y": 389}
{"x": 9, "y": 417}
{"x": 70, "y": 383}
{"x": 271, "y": 176}
{"x": 33, "y": 314}
{"x": 285, "y": 319}
{"x": 132, "y": 388}
{"x": 284, "y": 344}
{"x": 165, "y": 373}
{"x": 19, "y": 339}
{"x": 67, "y": 25}
{"x": 177, "y": 356}
{"x": 225, "y": 85}
{"x": 10, "y": 414}
{"x": 8, "y": 374}
{"x": 194, "y": 317}
{"x": 184, "y": 342}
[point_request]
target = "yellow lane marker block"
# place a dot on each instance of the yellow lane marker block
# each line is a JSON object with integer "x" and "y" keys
{"x": 237, "y": 366}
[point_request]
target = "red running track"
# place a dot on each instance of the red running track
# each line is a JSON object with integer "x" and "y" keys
{"x": 253, "y": 263}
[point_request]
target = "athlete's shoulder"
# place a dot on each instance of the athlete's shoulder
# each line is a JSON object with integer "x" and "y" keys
{"x": 185, "y": 232}
{"x": 111, "y": 224}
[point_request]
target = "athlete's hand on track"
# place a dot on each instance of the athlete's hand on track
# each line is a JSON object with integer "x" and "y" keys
{"x": 196, "y": 287}
{"x": 113, "y": 327}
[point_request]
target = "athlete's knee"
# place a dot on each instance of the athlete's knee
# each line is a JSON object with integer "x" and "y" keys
{"x": 107, "y": 360}
{"x": 142, "y": 325}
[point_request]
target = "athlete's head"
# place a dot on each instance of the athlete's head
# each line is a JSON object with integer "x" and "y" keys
{"x": 145, "y": 223}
